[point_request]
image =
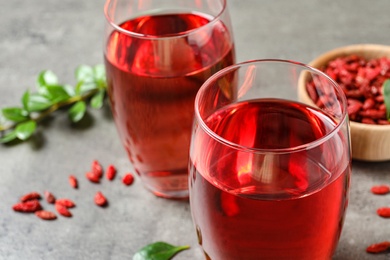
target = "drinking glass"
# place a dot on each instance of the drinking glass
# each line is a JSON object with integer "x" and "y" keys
{"x": 157, "y": 55}
{"x": 269, "y": 170}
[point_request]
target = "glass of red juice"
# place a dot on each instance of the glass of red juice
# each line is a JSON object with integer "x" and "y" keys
{"x": 269, "y": 170}
{"x": 157, "y": 55}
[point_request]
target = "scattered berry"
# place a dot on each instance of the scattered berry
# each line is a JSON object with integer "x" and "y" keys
{"x": 62, "y": 210}
{"x": 45, "y": 215}
{"x": 380, "y": 189}
{"x": 110, "y": 172}
{"x": 29, "y": 203}
{"x": 378, "y": 248}
{"x": 66, "y": 203}
{"x": 97, "y": 169}
{"x": 30, "y": 196}
{"x": 128, "y": 179}
{"x": 73, "y": 181}
{"x": 49, "y": 197}
{"x": 100, "y": 199}
{"x": 384, "y": 212}
{"x": 28, "y": 206}
{"x": 92, "y": 177}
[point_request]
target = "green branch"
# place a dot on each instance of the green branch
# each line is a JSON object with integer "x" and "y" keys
{"x": 21, "y": 121}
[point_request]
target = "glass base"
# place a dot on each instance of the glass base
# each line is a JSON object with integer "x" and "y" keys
{"x": 167, "y": 184}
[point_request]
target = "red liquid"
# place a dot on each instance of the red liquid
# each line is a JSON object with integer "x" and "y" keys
{"x": 152, "y": 84}
{"x": 288, "y": 206}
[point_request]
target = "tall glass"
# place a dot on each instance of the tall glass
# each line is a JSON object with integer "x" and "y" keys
{"x": 269, "y": 170}
{"x": 157, "y": 55}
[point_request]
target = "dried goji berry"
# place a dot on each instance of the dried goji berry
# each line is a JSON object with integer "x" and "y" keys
{"x": 66, "y": 203}
{"x": 100, "y": 199}
{"x": 379, "y": 247}
{"x": 30, "y": 196}
{"x": 369, "y": 121}
{"x": 73, "y": 181}
{"x": 128, "y": 179}
{"x": 92, "y": 177}
{"x": 384, "y": 212}
{"x": 383, "y": 122}
{"x": 49, "y": 197}
{"x": 45, "y": 215}
{"x": 28, "y": 206}
{"x": 354, "y": 107}
{"x": 61, "y": 209}
{"x": 380, "y": 99}
{"x": 97, "y": 169}
{"x": 373, "y": 113}
{"x": 368, "y": 103}
{"x": 380, "y": 189}
{"x": 110, "y": 172}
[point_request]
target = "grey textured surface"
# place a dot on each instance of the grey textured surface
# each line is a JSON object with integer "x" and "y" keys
{"x": 59, "y": 35}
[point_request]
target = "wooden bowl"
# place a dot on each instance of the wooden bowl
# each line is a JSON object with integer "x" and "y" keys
{"x": 369, "y": 142}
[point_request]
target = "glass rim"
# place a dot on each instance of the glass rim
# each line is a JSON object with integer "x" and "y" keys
{"x": 298, "y": 148}
{"x": 107, "y": 8}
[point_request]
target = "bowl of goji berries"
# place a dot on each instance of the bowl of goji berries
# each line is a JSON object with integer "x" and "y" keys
{"x": 363, "y": 73}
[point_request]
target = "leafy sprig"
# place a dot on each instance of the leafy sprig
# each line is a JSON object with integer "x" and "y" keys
{"x": 158, "y": 251}
{"x": 20, "y": 122}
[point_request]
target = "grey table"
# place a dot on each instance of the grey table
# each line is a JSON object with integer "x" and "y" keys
{"x": 59, "y": 35}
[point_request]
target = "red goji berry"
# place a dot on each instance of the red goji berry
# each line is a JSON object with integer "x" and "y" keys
{"x": 379, "y": 99}
{"x": 368, "y": 121}
{"x": 92, "y": 177}
{"x": 380, "y": 189}
{"x": 66, "y": 203}
{"x": 383, "y": 122}
{"x": 110, "y": 172}
{"x": 384, "y": 212}
{"x": 100, "y": 199}
{"x": 97, "y": 169}
{"x": 28, "y": 206}
{"x": 45, "y": 215}
{"x": 373, "y": 113}
{"x": 49, "y": 197}
{"x": 354, "y": 108}
{"x": 378, "y": 248}
{"x": 30, "y": 196}
{"x": 73, "y": 181}
{"x": 62, "y": 210}
{"x": 368, "y": 103}
{"x": 128, "y": 179}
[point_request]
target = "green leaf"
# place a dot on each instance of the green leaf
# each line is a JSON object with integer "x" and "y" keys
{"x": 47, "y": 78}
{"x": 37, "y": 102}
{"x": 70, "y": 90}
{"x": 25, "y": 99}
{"x": 158, "y": 251}
{"x": 84, "y": 87}
{"x": 84, "y": 73}
{"x": 15, "y": 114}
{"x": 57, "y": 93}
{"x": 99, "y": 72}
{"x": 97, "y": 99}
{"x": 24, "y": 130}
{"x": 386, "y": 95}
{"x": 10, "y": 136}
{"x": 77, "y": 111}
